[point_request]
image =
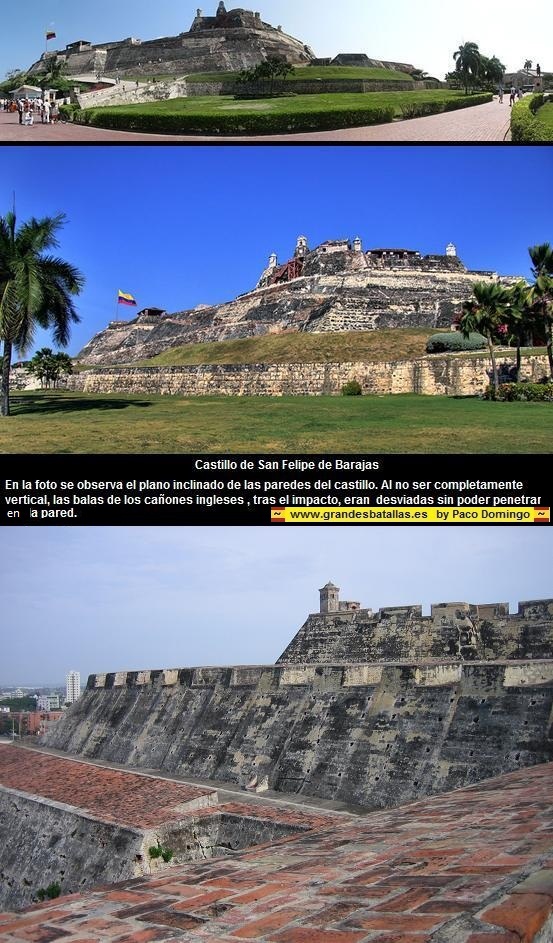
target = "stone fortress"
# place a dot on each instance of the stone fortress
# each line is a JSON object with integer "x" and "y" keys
{"x": 298, "y": 762}
{"x": 337, "y": 286}
{"x": 227, "y": 42}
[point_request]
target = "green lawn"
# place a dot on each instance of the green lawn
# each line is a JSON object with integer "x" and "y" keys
{"x": 226, "y": 104}
{"x": 545, "y": 117}
{"x": 67, "y": 422}
{"x": 313, "y": 73}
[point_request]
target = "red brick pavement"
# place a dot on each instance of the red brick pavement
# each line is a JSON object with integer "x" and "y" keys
{"x": 457, "y": 867}
{"x": 486, "y": 123}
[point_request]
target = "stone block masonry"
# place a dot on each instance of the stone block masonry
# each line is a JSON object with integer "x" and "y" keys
{"x": 444, "y": 376}
{"x": 366, "y": 735}
{"x": 456, "y": 630}
{"x": 472, "y": 866}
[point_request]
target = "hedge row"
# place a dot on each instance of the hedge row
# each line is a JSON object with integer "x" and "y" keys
{"x": 423, "y": 109}
{"x": 521, "y": 393}
{"x": 445, "y": 343}
{"x": 525, "y": 125}
{"x": 183, "y": 123}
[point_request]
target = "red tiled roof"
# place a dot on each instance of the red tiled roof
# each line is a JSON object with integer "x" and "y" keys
{"x": 111, "y": 795}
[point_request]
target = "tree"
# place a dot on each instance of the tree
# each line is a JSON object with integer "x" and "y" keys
{"x": 493, "y": 70}
{"x": 36, "y": 289}
{"x": 487, "y": 314}
{"x": 520, "y": 319}
{"x": 271, "y": 69}
{"x": 541, "y": 293}
{"x": 468, "y": 63}
{"x": 527, "y": 66}
{"x": 49, "y": 367}
{"x": 14, "y": 78}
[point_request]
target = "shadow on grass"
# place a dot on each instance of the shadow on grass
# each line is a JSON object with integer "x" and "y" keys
{"x": 20, "y": 405}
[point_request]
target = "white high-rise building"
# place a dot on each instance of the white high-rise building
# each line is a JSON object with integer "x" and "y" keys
{"x": 72, "y": 686}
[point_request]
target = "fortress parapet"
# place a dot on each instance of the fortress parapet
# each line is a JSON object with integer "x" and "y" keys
{"x": 344, "y": 631}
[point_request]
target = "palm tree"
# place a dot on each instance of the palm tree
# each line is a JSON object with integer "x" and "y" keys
{"x": 468, "y": 61}
{"x": 520, "y": 318}
{"x": 486, "y": 314}
{"x": 527, "y": 66}
{"x": 36, "y": 289}
{"x": 541, "y": 292}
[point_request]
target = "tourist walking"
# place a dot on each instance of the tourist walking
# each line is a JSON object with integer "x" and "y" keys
{"x": 501, "y": 94}
{"x": 513, "y": 96}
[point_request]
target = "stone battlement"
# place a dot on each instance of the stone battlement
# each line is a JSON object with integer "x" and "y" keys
{"x": 468, "y": 632}
{"x": 322, "y": 676}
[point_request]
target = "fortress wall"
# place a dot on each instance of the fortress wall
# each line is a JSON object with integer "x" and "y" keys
{"x": 431, "y": 376}
{"x": 42, "y": 842}
{"x": 371, "y": 735}
{"x": 453, "y": 630}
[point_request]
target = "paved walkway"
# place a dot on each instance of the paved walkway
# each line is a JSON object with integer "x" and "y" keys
{"x": 481, "y": 123}
{"x": 471, "y": 866}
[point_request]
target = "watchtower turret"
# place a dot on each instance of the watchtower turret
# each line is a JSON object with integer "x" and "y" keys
{"x": 330, "y": 598}
{"x": 302, "y": 248}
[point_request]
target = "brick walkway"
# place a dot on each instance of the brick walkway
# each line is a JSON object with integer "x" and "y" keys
{"x": 482, "y": 123}
{"x": 472, "y": 866}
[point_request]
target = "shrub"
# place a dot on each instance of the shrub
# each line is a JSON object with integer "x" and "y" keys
{"x": 49, "y": 893}
{"x": 353, "y": 388}
{"x": 521, "y": 392}
{"x": 536, "y": 102}
{"x": 254, "y": 123}
{"x": 423, "y": 109}
{"x": 525, "y": 125}
{"x": 446, "y": 343}
{"x": 68, "y": 112}
{"x": 158, "y": 851}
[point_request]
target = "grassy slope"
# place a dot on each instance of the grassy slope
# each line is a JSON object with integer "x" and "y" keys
{"x": 310, "y": 73}
{"x": 384, "y": 345}
{"x": 216, "y": 105}
{"x": 67, "y": 422}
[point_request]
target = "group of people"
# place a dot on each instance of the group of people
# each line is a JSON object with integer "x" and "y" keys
{"x": 515, "y": 95}
{"x": 40, "y": 109}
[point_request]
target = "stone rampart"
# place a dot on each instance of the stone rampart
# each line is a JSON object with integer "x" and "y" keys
{"x": 458, "y": 630}
{"x": 376, "y": 735}
{"x": 42, "y": 842}
{"x": 435, "y": 375}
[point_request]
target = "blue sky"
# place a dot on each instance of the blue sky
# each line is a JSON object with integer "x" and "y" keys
{"x": 424, "y": 33}
{"x": 182, "y": 226}
{"x": 106, "y": 599}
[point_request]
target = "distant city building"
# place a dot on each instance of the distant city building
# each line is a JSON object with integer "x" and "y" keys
{"x": 31, "y": 723}
{"x": 48, "y": 702}
{"x": 72, "y": 687}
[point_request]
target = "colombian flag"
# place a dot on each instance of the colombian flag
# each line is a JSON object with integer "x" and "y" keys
{"x": 50, "y": 35}
{"x": 124, "y": 299}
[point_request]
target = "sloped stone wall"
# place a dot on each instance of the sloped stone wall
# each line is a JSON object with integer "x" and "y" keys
{"x": 431, "y": 376}
{"x": 376, "y": 739}
{"x": 42, "y": 842}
